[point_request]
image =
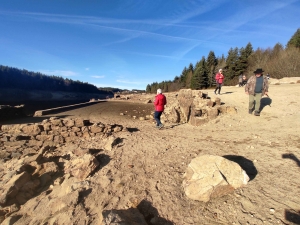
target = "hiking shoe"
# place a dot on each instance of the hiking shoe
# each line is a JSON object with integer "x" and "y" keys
{"x": 160, "y": 126}
{"x": 215, "y": 93}
{"x": 250, "y": 111}
{"x": 256, "y": 113}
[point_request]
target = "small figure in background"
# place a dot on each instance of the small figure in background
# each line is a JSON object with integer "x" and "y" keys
{"x": 268, "y": 76}
{"x": 241, "y": 80}
{"x": 219, "y": 81}
{"x": 244, "y": 80}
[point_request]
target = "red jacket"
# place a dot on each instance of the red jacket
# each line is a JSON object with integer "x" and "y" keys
{"x": 159, "y": 102}
{"x": 219, "y": 78}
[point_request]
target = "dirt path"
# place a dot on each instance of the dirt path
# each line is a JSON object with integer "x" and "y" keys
{"x": 148, "y": 165}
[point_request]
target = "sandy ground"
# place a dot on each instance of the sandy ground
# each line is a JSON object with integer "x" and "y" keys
{"x": 146, "y": 169}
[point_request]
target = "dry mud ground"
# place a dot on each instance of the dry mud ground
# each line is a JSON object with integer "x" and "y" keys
{"x": 146, "y": 169}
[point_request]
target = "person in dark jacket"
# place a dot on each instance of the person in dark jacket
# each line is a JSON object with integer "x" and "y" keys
{"x": 256, "y": 87}
{"x": 159, "y": 103}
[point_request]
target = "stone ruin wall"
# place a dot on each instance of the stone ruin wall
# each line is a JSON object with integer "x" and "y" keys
{"x": 186, "y": 106}
{"x": 35, "y": 156}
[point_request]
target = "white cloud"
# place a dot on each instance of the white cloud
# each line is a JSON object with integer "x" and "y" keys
{"x": 98, "y": 77}
{"x": 87, "y": 69}
{"x": 63, "y": 73}
{"x": 128, "y": 82}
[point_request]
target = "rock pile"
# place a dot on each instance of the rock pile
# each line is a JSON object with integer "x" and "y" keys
{"x": 194, "y": 107}
{"x": 186, "y": 106}
{"x": 49, "y": 157}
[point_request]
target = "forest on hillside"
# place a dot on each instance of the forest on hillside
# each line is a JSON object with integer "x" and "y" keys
{"x": 23, "y": 79}
{"x": 278, "y": 62}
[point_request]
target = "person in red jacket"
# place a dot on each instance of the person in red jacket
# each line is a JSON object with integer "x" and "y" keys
{"x": 219, "y": 81}
{"x": 159, "y": 103}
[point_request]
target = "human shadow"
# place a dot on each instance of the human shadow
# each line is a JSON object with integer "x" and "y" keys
{"x": 293, "y": 217}
{"x": 151, "y": 214}
{"x": 292, "y": 157}
{"x": 143, "y": 214}
{"x": 131, "y": 130}
{"x": 227, "y": 92}
{"x": 264, "y": 102}
{"x": 244, "y": 163}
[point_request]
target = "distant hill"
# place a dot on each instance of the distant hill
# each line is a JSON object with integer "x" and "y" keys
{"x": 27, "y": 80}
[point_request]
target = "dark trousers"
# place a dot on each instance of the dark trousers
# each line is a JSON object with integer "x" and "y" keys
{"x": 218, "y": 88}
{"x": 157, "y": 115}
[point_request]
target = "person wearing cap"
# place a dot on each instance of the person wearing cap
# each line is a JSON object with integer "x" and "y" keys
{"x": 159, "y": 103}
{"x": 219, "y": 81}
{"x": 256, "y": 87}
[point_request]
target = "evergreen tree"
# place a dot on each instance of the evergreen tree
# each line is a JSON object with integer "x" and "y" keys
{"x": 248, "y": 50}
{"x": 183, "y": 77}
{"x": 200, "y": 76}
{"x": 295, "y": 40}
{"x": 231, "y": 63}
{"x": 148, "y": 89}
{"x": 211, "y": 67}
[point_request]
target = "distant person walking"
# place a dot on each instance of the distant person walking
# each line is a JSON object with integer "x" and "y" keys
{"x": 159, "y": 103}
{"x": 256, "y": 87}
{"x": 219, "y": 81}
{"x": 244, "y": 82}
{"x": 241, "y": 80}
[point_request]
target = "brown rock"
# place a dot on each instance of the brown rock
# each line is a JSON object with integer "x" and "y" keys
{"x": 12, "y": 188}
{"x": 33, "y": 129}
{"x": 81, "y": 167}
{"x": 81, "y": 123}
{"x": 209, "y": 176}
{"x": 69, "y": 122}
{"x": 34, "y": 143}
{"x": 96, "y": 129}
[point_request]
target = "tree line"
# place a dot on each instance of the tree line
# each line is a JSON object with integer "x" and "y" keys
{"x": 278, "y": 62}
{"x": 24, "y": 79}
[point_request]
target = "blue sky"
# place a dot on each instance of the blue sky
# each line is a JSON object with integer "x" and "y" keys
{"x": 132, "y": 43}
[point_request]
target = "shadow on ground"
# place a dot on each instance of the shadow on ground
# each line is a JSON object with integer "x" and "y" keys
{"x": 292, "y": 157}
{"x": 151, "y": 214}
{"x": 293, "y": 217}
{"x": 265, "y": 102}
{"x": 244, "y": 163}
{"x": 144, "y": 214}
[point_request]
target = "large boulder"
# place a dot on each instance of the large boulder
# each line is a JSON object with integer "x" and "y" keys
{"x": 210, "y": 176}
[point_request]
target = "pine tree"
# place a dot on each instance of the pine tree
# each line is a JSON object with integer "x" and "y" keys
{"x": 295, "y": 40}
{"x": 200, "y": 76}
{"x": 231, "y": 63}
{"x": 211, "y": 67}
{"x": 148, "y": 89}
